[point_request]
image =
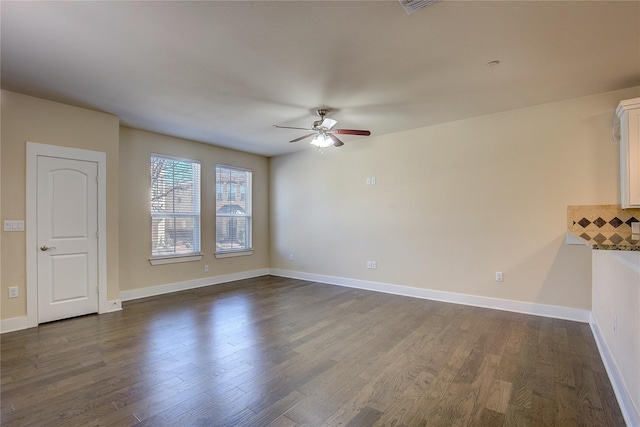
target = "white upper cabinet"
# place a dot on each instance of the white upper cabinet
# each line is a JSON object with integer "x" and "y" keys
{"x": 628, "y": 113}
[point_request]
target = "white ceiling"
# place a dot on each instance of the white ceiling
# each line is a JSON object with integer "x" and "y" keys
{"x": 225, "y": 72}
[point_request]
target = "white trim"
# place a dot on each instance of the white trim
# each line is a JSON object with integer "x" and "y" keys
{"x": 174, "y": 259}
{"x": 20, "y": 323}
{"x": 190, "y": 284}
{"x": 231, "y": 254}
{"x": 15, "y": 324}
{"x": 535, "y": 309}
{"x": 33, "y": 151}
{"x": 114, "y": 305}
{"x": 176, "y": 158}
{"x": 629, "y": 412}
{"x": 222, "y": 165}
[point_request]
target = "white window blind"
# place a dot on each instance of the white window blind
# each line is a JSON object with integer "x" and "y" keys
{"x": 233, "y": 214}
{"x": 175, "y": 206}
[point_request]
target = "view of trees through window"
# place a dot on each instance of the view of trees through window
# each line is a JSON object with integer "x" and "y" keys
{"x": 175, "y": 206}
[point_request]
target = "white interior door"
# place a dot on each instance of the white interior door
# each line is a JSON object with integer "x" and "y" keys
{"x": 67, "y": 227}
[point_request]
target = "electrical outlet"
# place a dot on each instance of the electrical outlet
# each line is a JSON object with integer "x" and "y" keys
{"x": 13, "y": 292}
{"x": 374, "y": 265}
{"x": 369, "y": 264}
{"x": 498, "y": 276}
{"x": 206, "y": 268}
{"x": 290, "y": 257}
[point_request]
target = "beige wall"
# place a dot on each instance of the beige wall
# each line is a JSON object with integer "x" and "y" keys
{"x": 616, "y": 298}
{"x": 26, "y": 118}
{"x": 454, "y": 203}
{"x": 136, "y": 272}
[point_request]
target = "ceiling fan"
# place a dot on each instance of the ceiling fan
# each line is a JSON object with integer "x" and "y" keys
{"x": 323, "y": 133}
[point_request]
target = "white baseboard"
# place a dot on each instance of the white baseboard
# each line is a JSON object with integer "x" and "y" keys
{"x": 19, "y": 323}
{"x": 15, "y": 324}
{"x": 544, "y": 310}
{"x": 9, "y": 325}
{"x": 629, "y": 411}
{"x": 114, "y": 305}
{"x": 189, "y": 284}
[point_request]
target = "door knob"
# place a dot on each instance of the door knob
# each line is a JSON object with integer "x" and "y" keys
{"x": 46, "y": 248}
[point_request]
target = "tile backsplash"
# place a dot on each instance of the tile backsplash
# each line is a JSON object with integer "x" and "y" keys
{"x": 603, "y": 224}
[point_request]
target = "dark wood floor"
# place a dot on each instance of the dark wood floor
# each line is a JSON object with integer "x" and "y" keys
{"x": 283, "y": 352}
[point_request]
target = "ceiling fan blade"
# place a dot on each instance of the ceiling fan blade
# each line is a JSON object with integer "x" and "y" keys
{"x": 336, "y": 141}
{"x": 328, "y": 123}
{"x": 291, "y": 127}
{"x": 352, "y": 132}
{"x": 302, "y": 137}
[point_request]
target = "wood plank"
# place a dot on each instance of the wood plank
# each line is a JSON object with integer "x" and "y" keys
{"x": 585, "y": 385}
{"x": 544, "y": 384}
{"x": 318, "y": 407}
{"x": 491, "y": 418}
{"x": 568, "y": 410}
{"x": 365, "y": 417}
{"x": 608, "y": 399}
{"x": 413, "y": 403}
{"x": 542, "y": 412}
{"x": 517, "y": 416}
{"x": 499, "y": 395}
{"x": 464, "y": 403}
{"x": 522, "y": 387}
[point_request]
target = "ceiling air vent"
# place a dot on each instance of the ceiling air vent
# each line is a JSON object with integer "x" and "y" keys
{"x": 412, "y": 6}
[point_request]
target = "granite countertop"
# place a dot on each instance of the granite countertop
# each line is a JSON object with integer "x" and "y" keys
{"x": 604, "y": 227}
{"x": 607, "y": 245}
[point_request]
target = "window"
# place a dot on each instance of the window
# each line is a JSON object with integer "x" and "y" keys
{"x": 175, "y": 207}
{"x": 231, "y": 192}
{"x": 218, "y": 191}
{"x": 233, "y": 217}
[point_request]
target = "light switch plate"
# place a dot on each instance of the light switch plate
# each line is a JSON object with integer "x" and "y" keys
{"x": 635, "y": 227}
{"x": 13, "y": 292}
{"x": 13, "y": 225}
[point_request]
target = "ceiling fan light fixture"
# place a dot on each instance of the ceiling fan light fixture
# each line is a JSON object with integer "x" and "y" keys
{"x": 321, "y": 141}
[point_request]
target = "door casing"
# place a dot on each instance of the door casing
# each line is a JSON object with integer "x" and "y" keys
{"x": 33, "y": 151}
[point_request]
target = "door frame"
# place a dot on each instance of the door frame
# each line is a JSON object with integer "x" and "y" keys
{"x": 34, "y": 150}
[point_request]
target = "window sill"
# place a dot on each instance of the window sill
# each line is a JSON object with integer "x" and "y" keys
{"x": 174, "y": 259}
{"x": 233, "y": 253}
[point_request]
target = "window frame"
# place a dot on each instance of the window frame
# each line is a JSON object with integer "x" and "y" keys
{"x": 248, "y": 216}
{"x": 195, "y": 214}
